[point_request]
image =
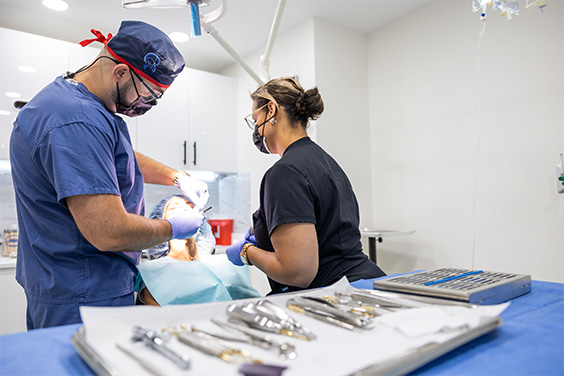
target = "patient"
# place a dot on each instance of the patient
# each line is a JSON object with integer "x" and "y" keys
{"x": 178, "y": 249}
{"x": 185, "y": 271}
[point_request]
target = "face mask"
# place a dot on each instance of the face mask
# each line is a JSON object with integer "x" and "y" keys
{"x": 137, "y": 107}
{"x": 259, "y": 140}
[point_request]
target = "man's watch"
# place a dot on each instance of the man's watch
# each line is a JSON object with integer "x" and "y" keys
{"x": 244, "y": 258}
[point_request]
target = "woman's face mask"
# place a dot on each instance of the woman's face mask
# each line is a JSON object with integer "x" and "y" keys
{"x": 259, "y": 140}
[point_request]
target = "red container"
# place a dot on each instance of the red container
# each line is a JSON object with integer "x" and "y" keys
{"x": 222, "y": 229}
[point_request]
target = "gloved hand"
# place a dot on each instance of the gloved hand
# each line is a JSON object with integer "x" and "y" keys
{"x": 234, "y": 250}
{"x": 186, "y": 225}
{"x": 194, "y": 189}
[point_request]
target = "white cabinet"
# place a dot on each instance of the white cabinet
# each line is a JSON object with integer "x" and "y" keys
{"x": 49, "y": 57}
{"x": 211, "y": 119}
{"x": 192, "y": 125}
{"x": 162, "y": 131}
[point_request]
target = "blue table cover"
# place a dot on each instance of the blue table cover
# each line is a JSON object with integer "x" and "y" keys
{"x": 529, "y": 342}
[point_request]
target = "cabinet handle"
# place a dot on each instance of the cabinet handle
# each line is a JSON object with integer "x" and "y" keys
{"x": 194, "y": 153}
{"x": 184, "y": 152}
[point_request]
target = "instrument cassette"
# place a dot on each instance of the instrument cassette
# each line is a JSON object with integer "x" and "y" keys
{"x": 472, "y": 286}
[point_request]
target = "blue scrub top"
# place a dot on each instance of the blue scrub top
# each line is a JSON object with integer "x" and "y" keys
{"x": 66, "y": 143}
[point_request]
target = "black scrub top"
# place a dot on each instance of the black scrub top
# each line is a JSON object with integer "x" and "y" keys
{"x": 308, "y": 186}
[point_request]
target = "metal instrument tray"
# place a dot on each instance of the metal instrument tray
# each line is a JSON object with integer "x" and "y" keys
{"x": 476, "y": 287}
{"x": 396, "y": 366}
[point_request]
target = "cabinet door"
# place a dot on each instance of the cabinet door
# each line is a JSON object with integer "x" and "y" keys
{"x": 162, "y": 131}
{"x": 211, "y": 119}
{"x": 48, "y": 56}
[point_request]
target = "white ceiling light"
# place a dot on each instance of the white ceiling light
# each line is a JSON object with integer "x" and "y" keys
{"x": 58, "y": 5}
{"x": 12, "y": 94}
{"x": 178, "y": 36}
{"x": 4, "y": 112}
{"x": 27, "y": 69}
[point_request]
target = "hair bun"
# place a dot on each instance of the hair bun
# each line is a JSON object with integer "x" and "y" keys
{"x": 302, "y": 105}
{"x": 312, "y": 103}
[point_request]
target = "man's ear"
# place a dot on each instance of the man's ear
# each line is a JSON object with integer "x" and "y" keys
{"x": 119, "y": 71}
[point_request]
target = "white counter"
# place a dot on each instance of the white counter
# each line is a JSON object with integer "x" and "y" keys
{"x": 7, "y": 262}
{"x": 12, "y": 299}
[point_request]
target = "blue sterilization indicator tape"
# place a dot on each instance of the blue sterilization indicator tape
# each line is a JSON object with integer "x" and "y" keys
{"x": 453, "y": 277}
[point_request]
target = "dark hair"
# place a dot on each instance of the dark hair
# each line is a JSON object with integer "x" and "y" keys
{"x": 300, "y": 106}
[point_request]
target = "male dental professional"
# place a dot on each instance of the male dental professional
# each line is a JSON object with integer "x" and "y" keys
{"x": 79, "y": 183}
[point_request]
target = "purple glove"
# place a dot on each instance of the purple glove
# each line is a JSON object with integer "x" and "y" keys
{"x": 186, "y": 225}
{"x": 234, "y": 250}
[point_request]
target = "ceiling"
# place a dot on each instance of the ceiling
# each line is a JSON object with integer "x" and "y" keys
{"x": 245, "y": 26}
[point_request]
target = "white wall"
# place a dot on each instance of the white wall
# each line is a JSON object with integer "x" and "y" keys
{"x": 343, "y": 129}
{"x": 465, "y": 141}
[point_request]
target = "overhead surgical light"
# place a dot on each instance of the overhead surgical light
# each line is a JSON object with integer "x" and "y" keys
{"x": 194, "y": 5}
{"x": 206, "y": 21}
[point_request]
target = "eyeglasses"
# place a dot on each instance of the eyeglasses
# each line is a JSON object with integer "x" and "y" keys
{"x": 149, "y": 99}
{"x": 249, "y": 118}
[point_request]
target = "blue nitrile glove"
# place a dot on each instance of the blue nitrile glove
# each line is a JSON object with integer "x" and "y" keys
{"x": 194, "y": 189}
{"x": 186, "y": 225}
{"x": 251, "y": 238}
{"x": 234, "y": 250}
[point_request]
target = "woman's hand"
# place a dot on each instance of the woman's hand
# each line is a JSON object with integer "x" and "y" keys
{"x": 234, "y": 250}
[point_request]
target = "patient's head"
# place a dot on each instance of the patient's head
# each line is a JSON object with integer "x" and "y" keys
{"x": 179, "y": 249}
{"x": 176, "y": 205}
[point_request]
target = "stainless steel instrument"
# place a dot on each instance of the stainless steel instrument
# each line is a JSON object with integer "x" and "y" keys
{"x": 286, "y": 350}
{"x": 268, "y": 322}
{"x": 150, "y": 338}
{"x": 214, "y": 346}
{"x": 328, "y": 312}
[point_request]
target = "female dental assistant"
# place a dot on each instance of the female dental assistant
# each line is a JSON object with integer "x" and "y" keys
{"x": 306, "y": 231}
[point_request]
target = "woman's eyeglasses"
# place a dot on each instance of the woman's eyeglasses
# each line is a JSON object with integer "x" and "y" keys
{"x": 249, "y": 118}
